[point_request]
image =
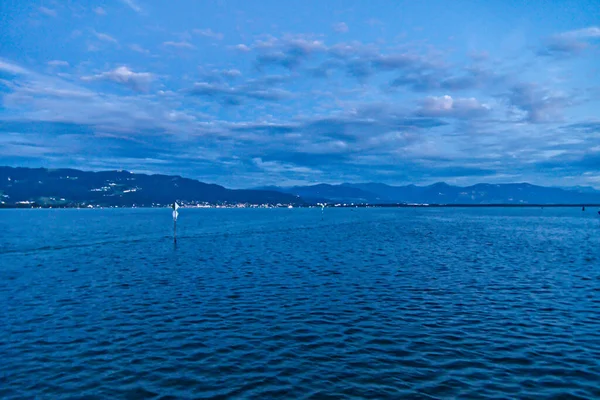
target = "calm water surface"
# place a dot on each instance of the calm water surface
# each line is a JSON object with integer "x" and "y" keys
{"x": 366, "y": 303}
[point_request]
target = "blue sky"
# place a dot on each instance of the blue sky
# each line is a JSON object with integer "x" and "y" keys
{"x": 248, "y": 93}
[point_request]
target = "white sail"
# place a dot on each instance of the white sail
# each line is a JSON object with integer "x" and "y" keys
{"x": 175, "y": 215}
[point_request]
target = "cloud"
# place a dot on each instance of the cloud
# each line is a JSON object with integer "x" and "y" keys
{"x": 536, "y": 104}
{"x": 446, "y": 106}
{"x": 179, "y": 45}
{"x": 279, "y": 167}
{"x": 11, "y": 68}
{"x": 235, "y": 95}
{"x": 359, "y": 69}
{"x": 242, "y": 48}
{"x": 558, "y": 46}
{"x": 23, "y": 146}
{"x": 139, "y": 49}
{"x": 105, "y": 37}
{"x": 99, "y": 11}
{"x": 58, "y": 63}
{"x": 340, "y": 27}
{"x": 479, "y": 55}
{"x": 590, "y": 161}
{"x": 410, "y": 113}
{"x": 589, "y": 127}
{"x": 472, "y": 78}
{"x": 401, "y": 61}
{"x": 421, "y": 78}
{"x": 219, "y": 75}
{"x": 418, "y": 81}
{"x": 209, "y": 33}
{"x": 48, "y": 112}
{"x": 343, "y": 136}
{"x": 288, "y": 52}
{"x": 585, "y": 33}
{"x": 351, "y": 50}
{"x": 374, "y": 22}
{"x": 231, "y": 73}
{"x": 579, "y": 162}
{"x": 346, "y": 144}
{"x": 28, "y": 85}
{"x": 47, "y": 11}
{"x": 133, "y": 5}
{"x": 356, "y": 59}
{"x": 138, "y": 81}
{"x": 325, "y": 69}
{"x": 569, "y": 43}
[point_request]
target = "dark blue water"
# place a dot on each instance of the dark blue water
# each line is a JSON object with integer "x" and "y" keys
{"x": 366, "y": 303}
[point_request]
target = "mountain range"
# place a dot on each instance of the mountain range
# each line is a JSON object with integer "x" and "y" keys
{"x": 71, "y": 187}
{"x": 442, "y": 193}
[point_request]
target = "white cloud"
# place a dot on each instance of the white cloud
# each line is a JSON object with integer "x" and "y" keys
{"x": 374, "y": 22}
{"x": 58, "y": 63}
{"x": 336, "y": 137}
{"x": 570, "y": 42}
{"x": 133, "y": 5}
{"x": 585, "y": 33}
{"x": 11, "y": 68}
{"x": 179, "y": 45}
{"x": 138, "y": 81}
{"x": 446, "y": 106}
{"x": 209, "y": 33}
{"x": 242, "y": 47}
{"x": 42, "y": 98}
{"x": 279, "y": 167}
{"x": 538, "y": 104}
{"x": 99, "y": 11}
{"x": 139, "y": 49}
{"x": 47, "y": 11}
{"x": 296, "y": 43}
{"x": 340, "y": 27}
{"x": 105, "y": 38}
{"x": 231, "y": 73}
{"x": 31, "y": 85}
{"x": 235, "y": 95}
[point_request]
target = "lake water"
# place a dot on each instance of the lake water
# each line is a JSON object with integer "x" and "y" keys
{"x": 278, "y": 303}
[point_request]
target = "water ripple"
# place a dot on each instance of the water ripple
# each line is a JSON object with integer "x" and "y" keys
{"x": 281, "y": 304}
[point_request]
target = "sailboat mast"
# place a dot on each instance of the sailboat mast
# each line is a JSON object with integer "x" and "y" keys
{"x": 175, "y": 214}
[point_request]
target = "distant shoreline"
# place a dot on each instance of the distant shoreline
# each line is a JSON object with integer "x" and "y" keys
{"x": 36, "y": 207}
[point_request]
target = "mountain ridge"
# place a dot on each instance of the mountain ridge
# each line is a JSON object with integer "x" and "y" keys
{"x": 21, "y": 186}
{"x": 70, "y": 187}
{"x": 444, "y": 193}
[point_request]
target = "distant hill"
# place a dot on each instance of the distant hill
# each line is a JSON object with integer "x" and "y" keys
{"x": 580, "y": 189}
{"x": 442, "y": 193}
{"x": 120, "y": 188}
{"x": 70, "y": 187}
